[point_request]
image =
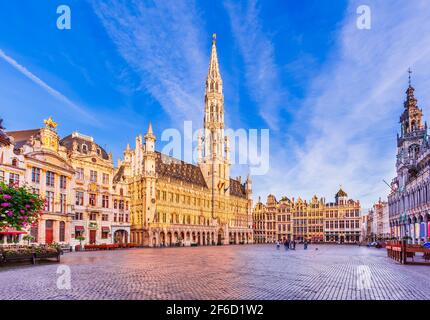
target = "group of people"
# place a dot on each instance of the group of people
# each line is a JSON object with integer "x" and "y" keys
{"x": 291, "y": 244}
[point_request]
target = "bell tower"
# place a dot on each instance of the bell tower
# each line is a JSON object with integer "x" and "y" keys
{"x": 214, "y": 148}
{"x": 412, "y": 135}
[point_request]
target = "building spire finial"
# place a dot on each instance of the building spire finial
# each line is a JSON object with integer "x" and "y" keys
{"x": 213, "y": 38}
{"x": 410, "y": 72}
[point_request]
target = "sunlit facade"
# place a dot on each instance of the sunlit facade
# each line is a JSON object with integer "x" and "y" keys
{"x": 409, "y": 199}
{"x": 182, "y": 204}
{"x": 315, "y": 220}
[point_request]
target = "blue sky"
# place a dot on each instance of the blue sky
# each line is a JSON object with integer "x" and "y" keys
{"x": 330, "y": 94}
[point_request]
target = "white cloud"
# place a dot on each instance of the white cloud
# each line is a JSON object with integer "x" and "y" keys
{"x": 350, "y": 117}
{"x": 56, "y": 94}
{"x": 261, "y": 71}
{"x": 165, "y": 44}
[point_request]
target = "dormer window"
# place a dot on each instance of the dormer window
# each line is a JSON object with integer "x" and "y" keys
{"x": 99, "y": 151}
{"x": 84, "y": 148}
{"x": 14, "y": 162}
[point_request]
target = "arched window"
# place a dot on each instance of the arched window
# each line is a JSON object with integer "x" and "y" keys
{"x": 121, "y": 192}
{"x": 14, "y": 162}
{"x": 62, "y": 236}
{"x": 414, "y": 151}
{"x": 84, "y": 148}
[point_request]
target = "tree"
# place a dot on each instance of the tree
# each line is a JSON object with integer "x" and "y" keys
{"x": 19, "y": 207}
{"x": 27, "y": 238}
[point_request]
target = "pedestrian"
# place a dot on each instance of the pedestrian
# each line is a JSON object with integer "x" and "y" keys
{"x": 277, "y": 245}
{"x": 305, "y": 245}
{"x": 286, "y": 244}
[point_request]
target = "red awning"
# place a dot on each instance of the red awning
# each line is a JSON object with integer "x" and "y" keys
{"x": 11, "y": 231}
{"x": 105, "y": 229}
{"x": 79, "y": 228}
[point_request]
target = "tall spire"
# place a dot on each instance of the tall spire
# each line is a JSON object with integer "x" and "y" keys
{"x": 213, "y": 148}
{"x": 214, "y": 108}
{"x": 150, "y": 128}
{"x": 410, "y": 72}
{"x": 213, "y": 73}
{"x": 411, "y": 119}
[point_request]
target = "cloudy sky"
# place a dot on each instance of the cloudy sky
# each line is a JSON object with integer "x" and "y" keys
{"x": 330, "y": 93}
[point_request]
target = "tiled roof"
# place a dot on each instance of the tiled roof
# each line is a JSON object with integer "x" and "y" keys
{"x": 68, "y": 143}
{"x": 179, "y": 170}
{"x": 21, "y": 137}
{"x": 237, "y": 189}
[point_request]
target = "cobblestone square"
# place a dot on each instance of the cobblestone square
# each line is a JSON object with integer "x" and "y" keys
{"x": 224, "y": 272}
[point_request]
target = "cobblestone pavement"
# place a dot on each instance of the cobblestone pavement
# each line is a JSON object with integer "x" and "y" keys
{"x": 228, "y": 272}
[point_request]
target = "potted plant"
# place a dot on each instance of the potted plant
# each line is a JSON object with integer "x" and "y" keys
{"x": 28, "y": 238}
{"x": 80, "y": 239}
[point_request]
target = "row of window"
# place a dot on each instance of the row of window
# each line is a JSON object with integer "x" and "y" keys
{"x": 300, "y": 224}
{"x": 92, "y": 201}
{"x": 50, "y": 201}
{"x": 342, "y": 224}
{"x": 13, "y": 178}
{"x": 177, "y": 198}
{"x": 49, "y": 178}
{"x": 117, "y": 217}
{"x": 80, "y": 175}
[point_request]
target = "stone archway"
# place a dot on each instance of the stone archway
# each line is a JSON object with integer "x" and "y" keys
{"x": 175, "y": 238}
{"x": 182, "y": 238}
{"x": 162, "y": 238}
{"x": 120, "y": 237}
{"x": 154, "y": 242}
{"x": 169, "y": 239}
{"x": 220, "y": 237}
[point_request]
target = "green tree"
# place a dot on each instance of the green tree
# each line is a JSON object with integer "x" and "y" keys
{"x": 19, "y": 207}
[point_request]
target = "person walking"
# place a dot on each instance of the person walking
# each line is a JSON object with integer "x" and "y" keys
{"x": 277, "y": 245}
{"x": 305, "y": 245}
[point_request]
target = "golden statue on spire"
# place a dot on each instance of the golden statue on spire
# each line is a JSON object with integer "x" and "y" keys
{"x": 213, "y": 37}
{"x": 49, "y": 123}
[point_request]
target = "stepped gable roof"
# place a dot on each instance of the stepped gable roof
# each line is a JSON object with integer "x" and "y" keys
{"x": 169, "y": 167}
{"x": 237, "y": 189}
{"x": 68, "y": 143}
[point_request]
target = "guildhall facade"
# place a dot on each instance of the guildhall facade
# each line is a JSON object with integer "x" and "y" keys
{"x": 315, "y": 220}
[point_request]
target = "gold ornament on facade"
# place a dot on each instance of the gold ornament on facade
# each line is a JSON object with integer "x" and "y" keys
{"x": 49, "y": 123}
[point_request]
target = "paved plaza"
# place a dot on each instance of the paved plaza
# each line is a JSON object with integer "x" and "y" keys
{"x": 227, "y": 272}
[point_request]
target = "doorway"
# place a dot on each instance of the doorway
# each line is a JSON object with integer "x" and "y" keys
{"x": 49, "y": 231}
{"x": 93, "y": 234}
